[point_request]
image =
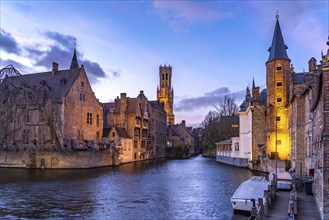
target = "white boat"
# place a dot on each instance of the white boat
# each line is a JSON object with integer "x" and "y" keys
{"x": 284, "y": 180}
{"x": 248, "y": 190}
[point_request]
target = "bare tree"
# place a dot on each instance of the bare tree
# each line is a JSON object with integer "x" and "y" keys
{"x": 227, "y": 105}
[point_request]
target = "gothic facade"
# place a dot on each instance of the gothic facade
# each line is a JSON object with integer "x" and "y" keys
{"x": 165, "y": 92}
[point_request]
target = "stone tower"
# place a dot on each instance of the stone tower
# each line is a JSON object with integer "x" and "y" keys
{"x": 165, "y": 94}
{"x": 278, "y": 81}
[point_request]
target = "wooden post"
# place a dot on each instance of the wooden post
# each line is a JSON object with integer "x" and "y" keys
{"x": 261, "y": 207}
{"x": 253, "y": 209}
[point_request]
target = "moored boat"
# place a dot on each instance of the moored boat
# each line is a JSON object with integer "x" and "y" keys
{"x": 248, "y": 190}
{"x": 284, "y": 180}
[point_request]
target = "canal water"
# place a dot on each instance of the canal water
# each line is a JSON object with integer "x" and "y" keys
{"x": 198, "y": 188}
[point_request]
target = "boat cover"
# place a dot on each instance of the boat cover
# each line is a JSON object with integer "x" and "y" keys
{"x": 251, "y": 189}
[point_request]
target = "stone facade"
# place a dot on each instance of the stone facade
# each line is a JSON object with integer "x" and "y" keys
{"x": 180, "y": 136}
{"x": 158, "y": 129}
{"x": 143, "y": 122}
{"x": 55, "y": 110}
{"x": 165, "y": 94}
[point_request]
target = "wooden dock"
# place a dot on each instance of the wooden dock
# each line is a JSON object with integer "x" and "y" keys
{"x": 306, "y": 208}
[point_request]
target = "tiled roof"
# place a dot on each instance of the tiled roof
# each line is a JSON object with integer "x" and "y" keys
{"x": 300, "y": 77}
{"x": 122, "y": 132}
{"x": 58, "y": 84}
{"x": 278, "y": 49}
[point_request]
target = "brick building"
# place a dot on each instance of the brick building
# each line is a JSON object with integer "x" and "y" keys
{"x": 54, "y": 110}
{"x": 296, "y": 120}
{"x": 158, "y": 129}
{"x": 180, "y": 136}
{"x": 165, "y": 94}
{"x": 144, "y": 123}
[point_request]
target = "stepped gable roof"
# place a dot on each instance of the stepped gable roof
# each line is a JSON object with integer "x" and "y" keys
{"x": 278, "y": 49}
{"x": 58, "y": 84}
{"x": 122, "y": 132}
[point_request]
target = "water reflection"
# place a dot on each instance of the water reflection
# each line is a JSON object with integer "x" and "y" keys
{"x": 199, "y": 188}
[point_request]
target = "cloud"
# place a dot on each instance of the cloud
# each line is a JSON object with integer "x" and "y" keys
{"x": 59, "y": 49}
{"x": 183, "y": 14}
{"x": 116, "y": 73}
{"x": 8, "y": 43}
{"x": 208, "y": 99}
{"x": 18, "y": 66}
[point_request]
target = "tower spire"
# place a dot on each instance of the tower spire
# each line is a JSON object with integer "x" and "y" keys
{"x": 74, "y": 62}
{"x": 278, "y": 49}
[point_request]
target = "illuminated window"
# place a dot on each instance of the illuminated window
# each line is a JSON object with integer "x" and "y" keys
{"x": 278, "y": 142}
{"x": 279, "y": 84}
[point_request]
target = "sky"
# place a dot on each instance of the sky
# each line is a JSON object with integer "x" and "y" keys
{"x": 214, "y": 47}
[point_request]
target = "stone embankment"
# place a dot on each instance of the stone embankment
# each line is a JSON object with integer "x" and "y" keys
{"x": 57, "y": 159}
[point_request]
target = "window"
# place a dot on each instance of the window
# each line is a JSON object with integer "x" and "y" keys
{"x": 97, "y": 120}
{"x": 279, "y": 84}
{"x": 82, "y": 97}
{"x": 80, "y": 134}
{"x": 82, "y": 84}
{"x": 113, "y": 134}
{"x": 135, "y": 144}
{"x": 163, "y": 76}
{"x": 25, "y": 136}
{"x": 89, "y": 118}
{"x": 278, "y": 142}
{"x": 278, "y": 118}
{"x": 279, "y": 68}
{"x": 97, "y": 135}
{"x": 279, "y": 99}
{"x": 166, "y": 76}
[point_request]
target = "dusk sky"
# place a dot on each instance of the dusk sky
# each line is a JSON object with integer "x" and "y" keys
{"x": 214, "y": 47}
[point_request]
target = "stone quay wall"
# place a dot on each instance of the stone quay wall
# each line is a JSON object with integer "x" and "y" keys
{"x": 56, "y": 159}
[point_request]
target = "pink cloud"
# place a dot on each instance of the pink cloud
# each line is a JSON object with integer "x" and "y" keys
{"x": 183, "y": 14}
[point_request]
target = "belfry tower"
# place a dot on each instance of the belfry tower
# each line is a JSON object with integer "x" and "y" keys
{"x": 165, "y": 94}
{"x": 278, "y": 81}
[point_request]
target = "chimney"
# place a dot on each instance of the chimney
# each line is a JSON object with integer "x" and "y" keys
{"x": 255, "y": 95}
{"x": 123, "y": 96}
{"x": 55, "y": 68}
{"x": 183, "y": 123}
{"x": 312, "y": 65}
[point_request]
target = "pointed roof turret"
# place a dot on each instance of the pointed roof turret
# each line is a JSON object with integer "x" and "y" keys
{"x": 278, "y": 49}
{"x": 253, "y": 83}
{"x": 74, "y": 62}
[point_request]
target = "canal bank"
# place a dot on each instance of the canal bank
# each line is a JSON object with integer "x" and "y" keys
{"x": 198, "y": 188}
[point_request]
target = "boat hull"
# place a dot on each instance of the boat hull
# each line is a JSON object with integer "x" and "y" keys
{"x": 234, "y": 161}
